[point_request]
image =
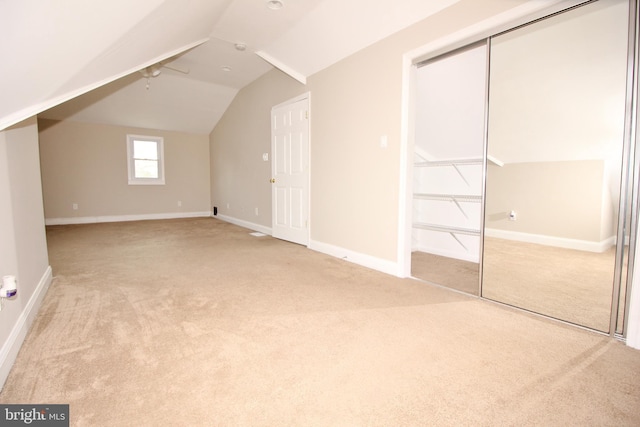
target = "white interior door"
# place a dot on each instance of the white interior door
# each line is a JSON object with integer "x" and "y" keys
{"x": 290, "y": 171}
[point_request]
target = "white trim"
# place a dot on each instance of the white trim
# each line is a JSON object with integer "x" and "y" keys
{"x": 301, "y": 97}
{"x": 123, "y": 218}
{"x": 379, "y": 264}
{"x": 11, "y": 347}
{"x": 245, "y": 224}
{"x": 495, "y": 161}
{"x": 560, "y": 242}
{"x": 633, "y": 315}
{"x": 384, "y": 266}
{"x": 633, "y": 319}
{"x": 282, "y": 67}
{"x": 501, "y": 22}
{"x": 407, "y": 146}
{"x": 131, "y": 169}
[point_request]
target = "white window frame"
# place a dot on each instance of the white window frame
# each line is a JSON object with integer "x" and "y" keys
{"x": 133, "y": 180}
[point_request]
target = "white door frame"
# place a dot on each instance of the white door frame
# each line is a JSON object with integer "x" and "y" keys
{"x": 307, "y": 96}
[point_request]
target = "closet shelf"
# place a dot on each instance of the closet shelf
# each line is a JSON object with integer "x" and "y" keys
{"x": 446, "y": 229}
{"x": 448, "y": 197}
{"x": 437, "y": 163}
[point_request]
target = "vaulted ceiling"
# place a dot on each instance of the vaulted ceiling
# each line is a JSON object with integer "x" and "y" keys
{"x": 80, "y": 60}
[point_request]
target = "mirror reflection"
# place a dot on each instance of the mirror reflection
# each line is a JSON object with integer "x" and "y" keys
{"x": 556, "y": 129}
{"x": 448, "y": 169}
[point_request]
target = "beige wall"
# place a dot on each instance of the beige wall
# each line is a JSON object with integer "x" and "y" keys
{"x": 239, "y": 176}
{"x": 23, "y": 246}
{"x": 556, "y": 199}
{"x": 556, "y": 119}
{"x": 86, "y": 164}
{"x": 354, "y": 182}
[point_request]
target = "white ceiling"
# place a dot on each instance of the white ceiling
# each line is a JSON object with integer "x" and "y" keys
{"x": 60, "y": 51}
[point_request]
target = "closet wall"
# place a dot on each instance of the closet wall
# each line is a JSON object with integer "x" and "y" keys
{"x": 449, "y": 151}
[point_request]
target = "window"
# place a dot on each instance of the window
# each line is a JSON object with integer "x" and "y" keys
{"x": 145, "y": 160}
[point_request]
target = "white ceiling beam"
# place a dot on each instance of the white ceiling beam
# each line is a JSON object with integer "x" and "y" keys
{"x": 283, "y": 67}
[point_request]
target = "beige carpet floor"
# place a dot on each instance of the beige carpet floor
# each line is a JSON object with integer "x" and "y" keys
{"x": 575, "y": 286}
{"x": 197, "y": 323}
{"x": 453, "y": 273}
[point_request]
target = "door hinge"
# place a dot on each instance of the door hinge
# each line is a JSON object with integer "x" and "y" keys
{"x": 306, "y": 114}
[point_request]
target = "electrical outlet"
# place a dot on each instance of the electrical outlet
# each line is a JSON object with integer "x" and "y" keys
{"x": 179, "y": 203}
{"x": 228, "y": 206}
{"x": 257, "y": 212}
{"x": 75, "y": 206}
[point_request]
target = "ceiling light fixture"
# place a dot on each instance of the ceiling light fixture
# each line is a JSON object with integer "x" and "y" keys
{"x": 240, "y": 47}
{"x": 226, "y": 68}
{"x": 150, "y": 72}
{"x": 275, "y": 4}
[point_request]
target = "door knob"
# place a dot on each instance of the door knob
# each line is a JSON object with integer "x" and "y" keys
{"x": 272, "y": 180}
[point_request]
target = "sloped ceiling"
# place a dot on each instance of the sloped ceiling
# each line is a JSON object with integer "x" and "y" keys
{"x": 56, "y": 50}
{"x": 79, "y": 60}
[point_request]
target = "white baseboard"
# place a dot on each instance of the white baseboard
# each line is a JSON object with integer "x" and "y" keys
{"x": 633, "y": 325}
{"x": 11, "y": 346}
{"x": 245, "y": 224}
{"x": 121, "y": 218}
{"x": 560, "y": 242}
{"x": 382, "y": 265}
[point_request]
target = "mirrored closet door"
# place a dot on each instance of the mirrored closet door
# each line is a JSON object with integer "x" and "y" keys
{"x": 448, "y": 169}
{"x": 556, "y": 124}
{"x": 522, "y": 164}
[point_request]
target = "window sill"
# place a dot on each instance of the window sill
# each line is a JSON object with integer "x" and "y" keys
{"x": 146, "y": 182}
